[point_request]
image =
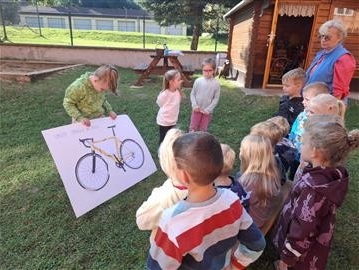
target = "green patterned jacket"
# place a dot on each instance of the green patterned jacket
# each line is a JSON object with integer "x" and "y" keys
{"x": 83, "y": 101}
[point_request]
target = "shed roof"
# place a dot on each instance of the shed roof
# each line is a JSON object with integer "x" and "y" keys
{"x": 237, "y": 7}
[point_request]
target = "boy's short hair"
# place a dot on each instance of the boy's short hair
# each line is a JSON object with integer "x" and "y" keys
{"x": 200, "y": 155}
{"x": 316, "y": 88}
{"x": 209, "y": 61}
{"x": 269, "y": 130}
{"x": 298, "y": 75}
{"x": 229, "y": 156}
{"x": 282, "y": 123}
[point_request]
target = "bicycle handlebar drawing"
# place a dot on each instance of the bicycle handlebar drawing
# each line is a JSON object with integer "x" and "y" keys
{"x": 92, "y": 170}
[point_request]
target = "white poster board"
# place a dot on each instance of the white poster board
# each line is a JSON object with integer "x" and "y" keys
{"x": 99, "y": 162}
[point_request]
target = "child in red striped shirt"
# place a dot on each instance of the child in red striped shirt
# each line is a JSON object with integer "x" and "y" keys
{"x": 200, "y": 231}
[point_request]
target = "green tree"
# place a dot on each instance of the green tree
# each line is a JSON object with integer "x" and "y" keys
{"x": 9, "y": 12}
{"x": 88, "y": 3}
{"x": 213, "y": 21}
{"x": 190, "y": 12}
{"x": 55, "y": 3}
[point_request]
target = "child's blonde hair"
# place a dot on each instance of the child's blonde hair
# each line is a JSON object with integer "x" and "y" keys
{"x": 109, "y": 74}
{"x": 229, "y": 157}
{"x": 327, "y": 104}
{"x": 327, "y": 135}
{"x": 258, "y": 164}
{"x": 165, "y": 152}
{"x": 269, "y": 130}
{"x": 282, "y": 124}
{"x": 169, "y": 76}
{"x": 297, "y": 75}
{"x": 316, "y": 88}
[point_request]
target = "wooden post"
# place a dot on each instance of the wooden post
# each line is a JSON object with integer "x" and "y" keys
{"x": 271, "y": 38}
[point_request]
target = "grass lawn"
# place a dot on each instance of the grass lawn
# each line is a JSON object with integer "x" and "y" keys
{"x": 38, "y": 227}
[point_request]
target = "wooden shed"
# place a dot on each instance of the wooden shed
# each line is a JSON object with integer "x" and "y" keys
{"x": 268, "y": 38}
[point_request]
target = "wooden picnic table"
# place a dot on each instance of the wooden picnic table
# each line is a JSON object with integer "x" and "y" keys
{"x": 159, "y": 65}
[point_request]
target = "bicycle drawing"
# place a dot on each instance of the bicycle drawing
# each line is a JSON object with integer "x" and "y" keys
{"x": 92, "y": 172}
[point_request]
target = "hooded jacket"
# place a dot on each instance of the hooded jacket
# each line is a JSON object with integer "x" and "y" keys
{"x": 304, "y": 231}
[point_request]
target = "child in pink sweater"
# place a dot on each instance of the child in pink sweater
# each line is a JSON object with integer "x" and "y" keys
{"x": 169, "y": 100}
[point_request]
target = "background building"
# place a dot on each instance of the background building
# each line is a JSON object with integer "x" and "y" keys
{"x": 128, "y": 20}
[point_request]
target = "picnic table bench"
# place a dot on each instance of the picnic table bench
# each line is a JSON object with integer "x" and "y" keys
{"x": 158, "y": 67}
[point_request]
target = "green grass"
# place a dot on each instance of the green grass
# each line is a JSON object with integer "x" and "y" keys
{"x": 38, "y": 227}
{"x": 108, "y": 39}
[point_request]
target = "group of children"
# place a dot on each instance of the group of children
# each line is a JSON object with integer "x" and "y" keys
{"x": 202, "y": 217}
{"x": 311, "y": 153}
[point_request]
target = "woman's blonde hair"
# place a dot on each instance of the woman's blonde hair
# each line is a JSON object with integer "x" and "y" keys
{"x": 327, "y": 104}
{"x": 109, "y": 74}
{"x": 258, "y": 164}
{"x": 269, "y": 130}
{"x": 165, "y": 152}
{"x": 229, "y": 156}
{"x": 326, "y": 134}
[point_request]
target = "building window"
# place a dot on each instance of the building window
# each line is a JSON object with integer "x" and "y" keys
{"x": 104, "y": 25}
{"x": 34, "y": 21}
{"x": 340, "y": 11}
{"x": 84, "y": 24}
{"x": 126, "y": 26}
{"x": 349, "y": 17}
{"x": 56, "y": 22}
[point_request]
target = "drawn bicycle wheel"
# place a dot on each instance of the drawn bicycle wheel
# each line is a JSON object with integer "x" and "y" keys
{"x": 92, "y": 172}
{"x": 132, "y": 154}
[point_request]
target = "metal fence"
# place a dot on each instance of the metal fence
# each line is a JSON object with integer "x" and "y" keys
{"x": 74, "y": 23}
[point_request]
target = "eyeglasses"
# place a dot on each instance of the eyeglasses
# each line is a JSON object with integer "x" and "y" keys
{"x": 326, "y": 37}
{"x": 207, "y": 70}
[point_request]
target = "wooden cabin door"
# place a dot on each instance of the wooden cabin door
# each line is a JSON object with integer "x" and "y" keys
{"x": 288, "y": 41}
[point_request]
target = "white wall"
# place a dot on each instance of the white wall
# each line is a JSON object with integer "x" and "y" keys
{"x": 92, "y": 23}
{"x": 127, "y": 58}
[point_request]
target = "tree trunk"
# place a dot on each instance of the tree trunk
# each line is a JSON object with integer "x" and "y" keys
{"x": 195, "y": 38}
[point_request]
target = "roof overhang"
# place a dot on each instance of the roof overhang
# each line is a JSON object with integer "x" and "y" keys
{"x": 237, "y": 7}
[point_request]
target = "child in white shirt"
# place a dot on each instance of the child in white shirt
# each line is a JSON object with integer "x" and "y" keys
{"x": 169, "y": 193}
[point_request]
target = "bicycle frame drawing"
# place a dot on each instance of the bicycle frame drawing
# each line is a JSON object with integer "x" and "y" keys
{"x": 92, "y": 170}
